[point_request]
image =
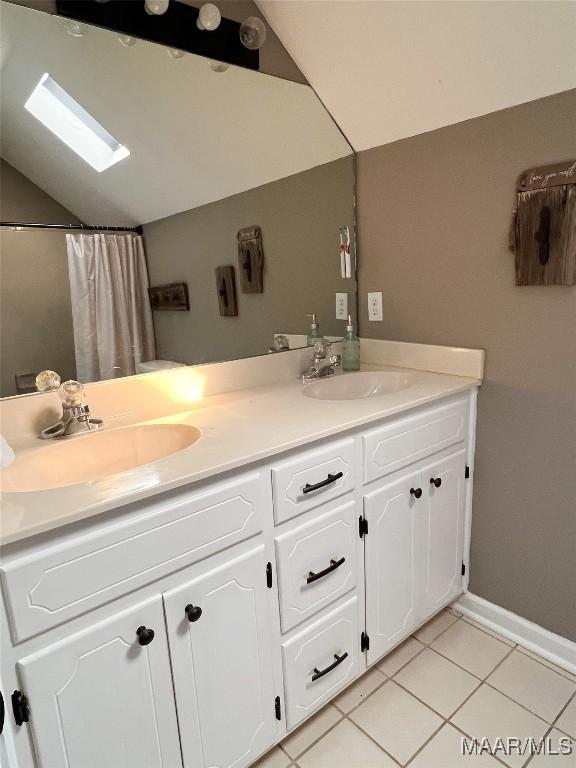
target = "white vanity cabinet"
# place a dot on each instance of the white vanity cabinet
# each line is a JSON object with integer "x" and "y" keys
{"x": 99, "y": 698}
{"x": 268, "y": 591}
{"x": 222, "y": 650}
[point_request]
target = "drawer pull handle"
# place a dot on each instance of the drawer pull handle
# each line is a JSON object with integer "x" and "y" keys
{"x": 416, "y": 492}
{"x": 193, "y": 612}
{"x": 332, "y": 567}
{"x": 436, "y": 481}
{"x": 318, "y": 673}
{"x": 145, "y": 635}
{"x": 323, "y": 483}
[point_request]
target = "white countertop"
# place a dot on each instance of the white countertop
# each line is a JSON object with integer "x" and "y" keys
{"x": 238, "y": 428}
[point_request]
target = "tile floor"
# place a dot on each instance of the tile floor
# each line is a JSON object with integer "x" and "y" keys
{"x": 453, "y": 678}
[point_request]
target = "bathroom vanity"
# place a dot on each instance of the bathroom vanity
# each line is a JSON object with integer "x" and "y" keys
{"x": 196, "y": 623}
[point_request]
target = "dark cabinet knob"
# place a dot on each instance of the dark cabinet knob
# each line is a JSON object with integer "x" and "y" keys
{"x": 416, "y": 492}
{"x": 20, "y": 708}
{"x": 145, "y": 635}
{"x": 436, "y": 481}
{"x": 193, "y": 612}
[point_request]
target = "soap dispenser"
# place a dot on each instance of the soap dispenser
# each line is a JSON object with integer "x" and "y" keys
{"x": 314, "y": 332}
{"x": 350, "y": 349}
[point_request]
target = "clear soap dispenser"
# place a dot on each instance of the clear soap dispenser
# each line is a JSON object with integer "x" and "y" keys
{"x": 350, "y": 349}
{"x": 314, "y": 332}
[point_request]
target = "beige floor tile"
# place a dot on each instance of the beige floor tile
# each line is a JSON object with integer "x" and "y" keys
{"x": 345, "y": 747}
{"x": 533, "y": 685}
{"x": 311, "y": 731}
{"x": 566, "y": 748}
{"x": 563, "y": 672}
{"x": 488, "y": 631}
{"x": 445, "y": 751}
{"x": 471, "y": 648}
{"x": 489, "y": 714}
{"x": 274, "y": 759}
{"x": 358, "y": 691}
{"x": 435, "y": 627}
{"x": 567, "y": 720}
{"x": 396, "y": 720}
{"x": 437, "y": 682}
{"x": 400, "y": 656}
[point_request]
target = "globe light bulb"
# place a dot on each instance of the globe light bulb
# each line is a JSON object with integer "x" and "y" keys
{"x": 127, "y": 40}
{"x": 156, "y": 7}
{"x": 253, "y": 33}
{"x": 209, "y": 17}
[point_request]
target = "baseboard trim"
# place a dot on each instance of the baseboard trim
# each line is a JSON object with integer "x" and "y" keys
{"x": 554, "y": 648}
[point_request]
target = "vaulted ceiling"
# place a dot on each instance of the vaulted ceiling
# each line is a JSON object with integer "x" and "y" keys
{"x": 389, "y": 70}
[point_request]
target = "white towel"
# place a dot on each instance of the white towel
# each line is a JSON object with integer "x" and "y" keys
{"x": 6, "y": 454}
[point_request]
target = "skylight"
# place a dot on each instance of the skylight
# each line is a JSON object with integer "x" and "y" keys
{"x": 73, "y": 125}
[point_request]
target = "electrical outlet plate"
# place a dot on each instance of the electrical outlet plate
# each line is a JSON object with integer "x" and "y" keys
{"x": 375, "y": 306}
{"x": 341, "y": 306}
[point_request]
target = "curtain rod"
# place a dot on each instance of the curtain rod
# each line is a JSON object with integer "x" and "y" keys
{"x": 85, "y": 227}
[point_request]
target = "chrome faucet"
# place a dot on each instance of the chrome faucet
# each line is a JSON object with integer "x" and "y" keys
{"x": 75, "y": 417}
{"x": 315, "y": 369}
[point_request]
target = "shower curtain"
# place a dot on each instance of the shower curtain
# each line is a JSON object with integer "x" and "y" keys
{"x": 111, "y": 313}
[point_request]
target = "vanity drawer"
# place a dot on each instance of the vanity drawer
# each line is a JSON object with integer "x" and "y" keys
{"x": 312, "y": 478}
{"x": 317, "y": 563}
{"x": 321, "y": 660}
{"x": 406, "y": 440}
{"x": 82, "y": 572}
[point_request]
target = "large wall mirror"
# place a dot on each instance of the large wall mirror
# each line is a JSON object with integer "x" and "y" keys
{"x": 190, "y": 211}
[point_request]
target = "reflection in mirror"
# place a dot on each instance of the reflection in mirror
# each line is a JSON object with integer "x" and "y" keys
{"x": 194, "y": 210}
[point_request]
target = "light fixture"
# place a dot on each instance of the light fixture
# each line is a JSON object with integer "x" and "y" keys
{"x": 156, "y": 7}
{"x": 75, "y": 29}
{"x": 209, "y": 17}
{"x": 126, "y": 40}
{"x": 253, "y": 33}
{"x": 73, "y": 125}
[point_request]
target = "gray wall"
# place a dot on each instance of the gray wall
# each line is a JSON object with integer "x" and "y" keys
{"x": 35, "y": 310}
{"x": 434, "y": 212}
{"x": 299, "y": 217}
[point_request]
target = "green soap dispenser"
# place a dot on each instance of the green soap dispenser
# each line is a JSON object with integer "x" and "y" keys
{"x": 350, "y": 349}
{"x": 314, "y": 332}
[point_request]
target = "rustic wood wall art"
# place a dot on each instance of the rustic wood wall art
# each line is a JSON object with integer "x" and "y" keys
{"x": 251, "y": 259}
{"x": 543, "y": 232}
{"x": 226, "y": 286}
{"x": 171, "y": 296}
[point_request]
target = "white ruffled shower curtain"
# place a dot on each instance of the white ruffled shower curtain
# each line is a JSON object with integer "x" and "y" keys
{"x": 113, "y": 329}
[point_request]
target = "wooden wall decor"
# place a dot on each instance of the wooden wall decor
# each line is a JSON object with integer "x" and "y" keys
{"x": 170, "y": 296}
{"x": 251, "y": 259}
{"x": 543, "y": 232}
{"x": 226, "y": 286}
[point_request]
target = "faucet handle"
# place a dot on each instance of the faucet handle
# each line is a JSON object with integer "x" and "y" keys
{"x": 72, "y": 393}
{"x": 320, "y": 349}
{"x": 47, "y": 381}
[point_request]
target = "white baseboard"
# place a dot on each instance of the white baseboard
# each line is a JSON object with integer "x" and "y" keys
{"x": 550, "y": 646}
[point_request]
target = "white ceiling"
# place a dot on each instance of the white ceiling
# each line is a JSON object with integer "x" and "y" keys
{"x": 195, "y": 135}
{"x": 388, "y": 70}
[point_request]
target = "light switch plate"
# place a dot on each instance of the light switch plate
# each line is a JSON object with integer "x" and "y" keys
{"x": 375, "y": 306}
{"x": 341, "y": 306}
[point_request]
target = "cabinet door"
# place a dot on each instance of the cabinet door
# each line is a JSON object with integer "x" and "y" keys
{"x": 222, "y": 663}
{"x": 393, "y": 562}
{"x": 444, "y": 531}
{"x": 99, "y": 698}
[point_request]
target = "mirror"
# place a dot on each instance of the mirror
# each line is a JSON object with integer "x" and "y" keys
{"x": 230, "y": 190}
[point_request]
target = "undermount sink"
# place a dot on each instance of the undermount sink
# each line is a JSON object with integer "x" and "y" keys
{"x": 91, "y": 457}
{"x": 355, "y": 386}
